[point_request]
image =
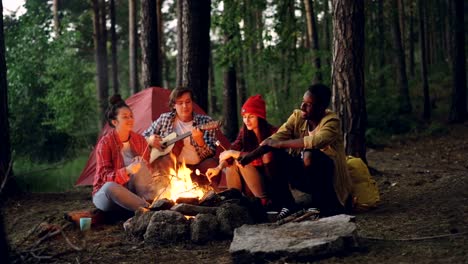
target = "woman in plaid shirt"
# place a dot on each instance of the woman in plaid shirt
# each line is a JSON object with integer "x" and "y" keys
{"x": 197, "y": 150}
{"x": 122, "y": 179}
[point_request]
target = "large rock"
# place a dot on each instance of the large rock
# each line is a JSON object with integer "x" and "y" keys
{"x": 166, "y": 227}
{"x": 204, "y": 228}
{"x": 136, "y": 226}
{"x": 293, "y": 241}
{"x": 230, "y": 216}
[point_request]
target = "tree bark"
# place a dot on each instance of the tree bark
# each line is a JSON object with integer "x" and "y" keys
{"x": 381, "y": 45}
{"x": 313, "y": 39}
{"x": 402, "y": 80}
{"x": 55, "y": 10}
{"x": 230, "y": 104}
{"x": 196, "y": 45}
{"x": 348, "y": 73}
{"x": 458, "y": 110}
{"x": 115, "y": 72}
{"x": 133, "y": 45}
{"x": 411, "y": 40}
{"x": 162, "y": 45}
{"x": 425, "y": 85}
{"x": 150, "y": 49}
{"x": 100, "y": 57}
{"x": 180, "y": 42}
{"x": 213, "y": 107}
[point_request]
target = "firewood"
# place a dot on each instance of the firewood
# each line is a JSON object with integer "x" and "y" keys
{"x": 193, "y": 210}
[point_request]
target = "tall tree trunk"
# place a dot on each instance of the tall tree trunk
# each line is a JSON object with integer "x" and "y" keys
{"x": 348, "y": 73}
{"x": 381, "y": 45}
{"x": 327, "y": 26}
{"x": 55, "y": 10}
{"x": 402, "y": 80}
{"x": 425, "y": 85}
{"x": 115, "y": 75}
{"x": 411, "y": 40}
{"x": 180, "y": 42}
{"x": 100, "y": 56}
{"x": 150, "y": 50}
{"x": 230, "y": 103}
{"x": 313, "y": 39}
{"x": 401, "y": 22}
{"x": 458, "y": 111}
{"x": 241, "y": 86}
{"x": 162, "y": 45}
{"x": 213, "y": 107}
{"x": 196, "y": 45}
{"x": 133, "y": 45}
{"x": 5, "y": 150}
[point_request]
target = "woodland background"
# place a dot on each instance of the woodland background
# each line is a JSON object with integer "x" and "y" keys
{"x": 395, "y": 67}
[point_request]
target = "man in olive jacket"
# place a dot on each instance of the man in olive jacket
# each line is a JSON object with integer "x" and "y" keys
{"x": 312, "y": 136}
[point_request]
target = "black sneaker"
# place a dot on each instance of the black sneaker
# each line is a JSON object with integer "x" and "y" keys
{"x": 285, "y": 212}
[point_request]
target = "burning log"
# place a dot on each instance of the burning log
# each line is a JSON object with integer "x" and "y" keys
{"x": 193, "y": 210}
{"x": 161, "y": 204}
{"x": 188, "y": 200}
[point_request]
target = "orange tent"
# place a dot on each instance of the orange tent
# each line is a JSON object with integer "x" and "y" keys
{"x": 147, "y": 106}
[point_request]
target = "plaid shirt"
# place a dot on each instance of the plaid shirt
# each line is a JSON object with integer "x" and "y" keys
{"x": 164, "y": 125}
{"x": 109, "y": 161}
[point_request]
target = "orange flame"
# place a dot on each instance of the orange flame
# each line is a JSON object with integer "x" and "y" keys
{"x": 181, "y": 184}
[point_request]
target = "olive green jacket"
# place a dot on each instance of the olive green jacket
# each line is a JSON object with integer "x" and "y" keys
{"x": 328, "y": 138}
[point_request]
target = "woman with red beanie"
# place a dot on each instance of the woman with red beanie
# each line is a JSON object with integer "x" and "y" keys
{"x": 252, "y": 133}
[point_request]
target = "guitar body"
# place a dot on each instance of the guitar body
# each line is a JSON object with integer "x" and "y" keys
{"x": 168, "y": 141}
{"x": 156, "y": 153}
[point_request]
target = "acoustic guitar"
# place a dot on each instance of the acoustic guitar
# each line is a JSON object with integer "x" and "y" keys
{"x": 168, "y": 141}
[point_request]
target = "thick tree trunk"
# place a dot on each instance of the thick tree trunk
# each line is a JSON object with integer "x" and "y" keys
{"x": 425, "y": 85}
{"x": 196, "y": 45}
{"x": 100, "y": 57}
{"x": 150, "y": 50}
{"x": 458, "y": 111}
{"x": 133, "y": 45}
{"x": 115, "y": 72}
{"x": 402, "y": 80}
{"x": 348, "y": 73}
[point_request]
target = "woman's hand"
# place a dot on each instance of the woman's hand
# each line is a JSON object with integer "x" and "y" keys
{"x": 211, "y": 172}
{"x": 225, "y": 155}
{"x": 133, "y": 168}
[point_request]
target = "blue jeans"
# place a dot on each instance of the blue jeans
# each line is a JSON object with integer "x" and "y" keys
{"x": 135, "y": 194}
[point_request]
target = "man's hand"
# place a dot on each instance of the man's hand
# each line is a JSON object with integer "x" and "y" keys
{"x": 272, "y": 143}
{"x": 134, "y": 167}
{"x": 155, "y": 141}
{"x": 197, "y": 135}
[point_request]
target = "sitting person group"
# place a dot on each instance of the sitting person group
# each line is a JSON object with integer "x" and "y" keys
{"x": 305, "y": 153}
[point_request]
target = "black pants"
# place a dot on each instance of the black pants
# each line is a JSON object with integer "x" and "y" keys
{"x": 315, "y": 179}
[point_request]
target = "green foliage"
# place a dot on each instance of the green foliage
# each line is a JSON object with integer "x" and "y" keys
{"x": 50, "y": 87}
{"x": 52, "y": 177}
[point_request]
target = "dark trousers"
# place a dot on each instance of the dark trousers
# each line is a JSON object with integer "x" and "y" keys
{"x": 315, "y": 179}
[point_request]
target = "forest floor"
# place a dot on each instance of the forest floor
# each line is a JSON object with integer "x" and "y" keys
{"x": 423, "y": 216}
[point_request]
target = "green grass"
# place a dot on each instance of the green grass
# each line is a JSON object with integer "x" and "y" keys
{"x": 56, "y": 177}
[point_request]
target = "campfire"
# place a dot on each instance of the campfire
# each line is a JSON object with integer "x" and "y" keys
{"x": 180, "y": 185}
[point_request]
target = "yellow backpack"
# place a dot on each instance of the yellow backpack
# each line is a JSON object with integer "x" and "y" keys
{"x": 364, "y": 189}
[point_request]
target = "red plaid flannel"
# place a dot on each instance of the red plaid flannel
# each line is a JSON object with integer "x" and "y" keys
{"x": 109, "y": 161}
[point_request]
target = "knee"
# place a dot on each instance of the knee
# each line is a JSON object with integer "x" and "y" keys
{"x": 307, "y": 159}
{"x": 267, "y": 158}
{"x": 110, "y": 187}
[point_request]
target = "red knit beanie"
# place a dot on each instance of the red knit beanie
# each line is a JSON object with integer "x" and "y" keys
{"x": 254, "y": 105}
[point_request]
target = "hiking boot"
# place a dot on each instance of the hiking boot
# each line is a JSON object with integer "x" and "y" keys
{"x": 285, "y": 212}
